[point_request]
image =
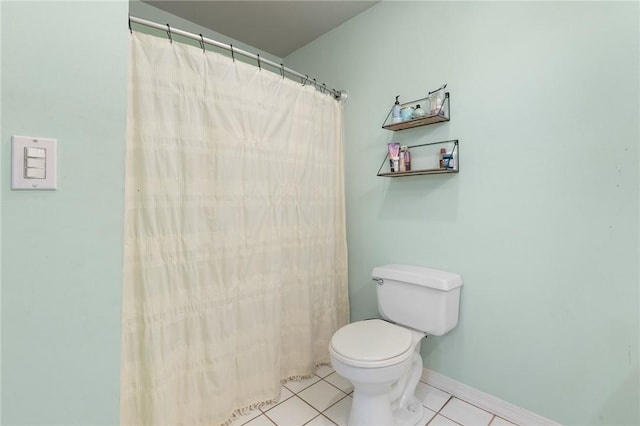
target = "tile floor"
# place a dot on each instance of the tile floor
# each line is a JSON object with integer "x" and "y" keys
{"x": 325, "y": 400}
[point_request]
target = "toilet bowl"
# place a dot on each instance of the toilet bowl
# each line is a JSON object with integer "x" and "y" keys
{"x": 382, "y": 361}
{"x": 381, "y": 357}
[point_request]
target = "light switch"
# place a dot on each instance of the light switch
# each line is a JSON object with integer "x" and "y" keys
{"x": 34, "y": 173}
{"x": 35, "y": 152}
{"x": 38, "y": 163}
{"x": 33, "y": 163}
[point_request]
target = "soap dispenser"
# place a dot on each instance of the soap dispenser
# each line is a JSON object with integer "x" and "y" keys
{"x": 395, "y": 112}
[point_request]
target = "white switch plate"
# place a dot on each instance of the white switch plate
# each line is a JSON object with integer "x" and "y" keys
{"x": 19, "y": 179}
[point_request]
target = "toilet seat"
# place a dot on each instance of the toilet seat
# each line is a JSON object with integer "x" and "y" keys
{"x": 372, "y": 344}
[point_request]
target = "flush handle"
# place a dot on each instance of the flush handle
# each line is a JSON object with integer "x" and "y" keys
{"x": 378, "y": 281}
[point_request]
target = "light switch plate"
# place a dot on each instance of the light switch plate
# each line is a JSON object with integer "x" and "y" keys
{"x": 24, "y": 177}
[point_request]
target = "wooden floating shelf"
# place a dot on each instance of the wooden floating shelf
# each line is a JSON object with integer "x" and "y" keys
{"x": 418, "y": 172}
{"x": 416, "y": 122}
{"x": 453, "y": 143}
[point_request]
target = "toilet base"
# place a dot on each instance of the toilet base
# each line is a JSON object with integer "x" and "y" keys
{"x": 411, "y": 415}
{"x": 375, "y": 409}
{"x": 370, "y": 406}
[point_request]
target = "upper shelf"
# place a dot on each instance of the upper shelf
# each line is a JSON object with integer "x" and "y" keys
{"x": 437, "y": 117}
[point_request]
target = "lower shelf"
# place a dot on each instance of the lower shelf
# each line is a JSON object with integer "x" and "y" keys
{"x": 418, "y": 172}
{"x": 429, "y": 157}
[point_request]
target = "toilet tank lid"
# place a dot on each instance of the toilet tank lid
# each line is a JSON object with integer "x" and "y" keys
{"x": 433, "y": 278}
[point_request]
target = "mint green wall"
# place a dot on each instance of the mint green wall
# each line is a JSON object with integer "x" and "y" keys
{"x": 64, "y": 76}
{"x": 542, "y": 221}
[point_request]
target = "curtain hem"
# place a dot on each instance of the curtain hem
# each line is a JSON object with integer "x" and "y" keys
{"x": 256, "y": 406}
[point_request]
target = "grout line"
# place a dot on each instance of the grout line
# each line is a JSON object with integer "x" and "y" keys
{"x": 317, "y": 411}
{"x": 268, "y": 419}
{"x": 334, "y": 403}
{"x": 335, "y": 386}
{"x": 473, "y": 405}
{"x": 324, "y": 417}
{"x": 446, "y": 402}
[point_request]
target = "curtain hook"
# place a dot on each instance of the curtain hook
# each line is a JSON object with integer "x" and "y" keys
{"x": 324, "y": 87}
{"x": 282, "y": 69}
{"x": 305, "y": 80}
{"x": 232, "y": 55}
{"x": 259, "y": 66}
{"x": 202, "y": 43}
{"x": 169, "y": 33}
{"x": 130, "y": 29}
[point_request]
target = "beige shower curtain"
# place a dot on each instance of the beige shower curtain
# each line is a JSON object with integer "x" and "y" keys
{"x": 235, "y": 256}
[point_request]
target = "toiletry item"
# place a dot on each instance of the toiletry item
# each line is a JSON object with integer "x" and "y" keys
{"x": 447, "y": 160}
{"x": 452, "y": 159}
{"x": 405, "y": 158}
{"x": 419, "y": 112}
{"x": 443, "y": 151}
{"x": 436, "y": 100}
{"x": 394, "y": 156}
{"x": 406, "y": 113}
{"x": 403, "y": 167}
{"x": 395, "y": 112}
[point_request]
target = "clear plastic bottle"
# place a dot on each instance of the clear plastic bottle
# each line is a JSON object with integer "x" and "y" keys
{"x": 395, "y": 112}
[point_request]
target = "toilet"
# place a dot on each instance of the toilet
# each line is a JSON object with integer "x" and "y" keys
{"x": 381, "y": 357}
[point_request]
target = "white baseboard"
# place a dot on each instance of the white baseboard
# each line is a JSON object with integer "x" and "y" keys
{"x": 501, "y": 408}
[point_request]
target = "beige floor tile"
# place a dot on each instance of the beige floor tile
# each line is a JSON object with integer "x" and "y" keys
{"x": 339, "y": 412}
{"x": 439, "y": 420}
{"x": 320, "y": 421}
{"x": 321, "y": 395}
{"x": 260, "y": 421}
{"x": 340, "y": 382}
{"x": 499, "y": 421}
{"x": 431, "y": 397}
{"x": 297, "y": 386}
{"x": 466, "y": 414}
{"x": 292, "y": 412}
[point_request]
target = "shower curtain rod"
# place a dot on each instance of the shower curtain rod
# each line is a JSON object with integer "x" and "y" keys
{"x": 339, "y": 95}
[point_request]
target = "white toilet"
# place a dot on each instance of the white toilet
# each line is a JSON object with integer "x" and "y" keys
{"x": 382, "y": 358}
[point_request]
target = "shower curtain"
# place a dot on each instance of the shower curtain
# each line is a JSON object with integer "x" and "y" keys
{"x": 235, "y": 255}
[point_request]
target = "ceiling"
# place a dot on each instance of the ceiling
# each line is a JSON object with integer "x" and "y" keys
{"x": 276, "y": 27}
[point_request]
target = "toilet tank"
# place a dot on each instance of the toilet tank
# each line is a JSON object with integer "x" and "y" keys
{"x": 420, "y": 298}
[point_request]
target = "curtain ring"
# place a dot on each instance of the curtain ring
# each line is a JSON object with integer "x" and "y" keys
{"x": 305, "y": 80}
{"x": 202, "y": 43}
{"x": 259, "y": 66}
{"x": 169, "y": 33}
{"x": 282, "y": 69}
{"x": 232, "y": 55}
{"x": 324, "y": 87}
{"x": 130, "y": 29}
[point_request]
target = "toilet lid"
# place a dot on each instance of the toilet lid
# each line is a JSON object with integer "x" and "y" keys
{"x": 371, "y": 341}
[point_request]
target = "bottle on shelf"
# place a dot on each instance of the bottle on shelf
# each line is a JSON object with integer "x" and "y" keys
{"x": 448, "y": 160}
{"x": 405, "y": 158}
{"x": 395, "y": 112}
